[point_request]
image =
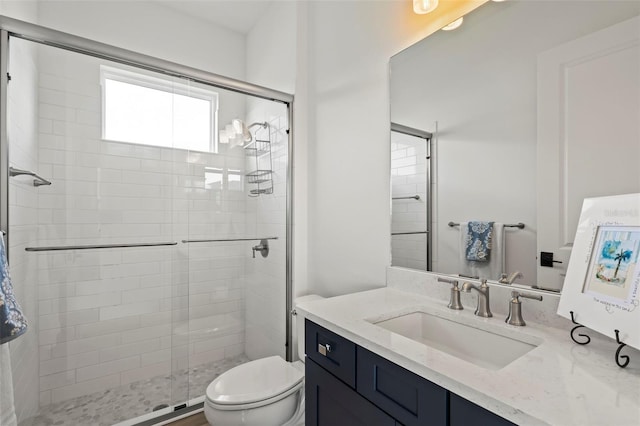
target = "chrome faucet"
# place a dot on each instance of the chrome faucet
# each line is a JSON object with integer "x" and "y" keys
{"x": 454, "y": 302}
{"x": 483, "y": 309}
{"x": 511, "y": 278}
{"x": 515, "y": 308}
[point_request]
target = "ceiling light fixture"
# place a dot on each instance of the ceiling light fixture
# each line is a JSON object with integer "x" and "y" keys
{"x": 424, "y": 6}
{"x": 452, "y": 26}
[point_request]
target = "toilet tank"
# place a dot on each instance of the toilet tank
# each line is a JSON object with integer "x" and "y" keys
{"x": 298, "y": 324}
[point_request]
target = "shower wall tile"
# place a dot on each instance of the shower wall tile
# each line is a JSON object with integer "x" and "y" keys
{"x": 84, "y": 388}
{"x": 107, "y": 368}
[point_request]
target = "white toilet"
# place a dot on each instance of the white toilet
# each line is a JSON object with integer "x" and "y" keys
{"x": 266, "y": 391}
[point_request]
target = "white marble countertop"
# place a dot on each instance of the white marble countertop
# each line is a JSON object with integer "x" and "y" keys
{"x": 556, "y": 383}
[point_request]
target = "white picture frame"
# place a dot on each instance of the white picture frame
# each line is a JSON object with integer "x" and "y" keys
{"x": 602, "y": 285}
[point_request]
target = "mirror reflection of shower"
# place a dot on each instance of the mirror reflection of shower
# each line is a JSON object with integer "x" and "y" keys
{"x": 411, "y": 198}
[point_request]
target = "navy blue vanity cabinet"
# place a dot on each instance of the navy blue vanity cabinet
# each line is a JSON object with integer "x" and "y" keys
{"x": 347, "y": 385}
{"x": 409, "y": 398}
{"x": 464, "y": 413}
{"x": 330, "y": 402}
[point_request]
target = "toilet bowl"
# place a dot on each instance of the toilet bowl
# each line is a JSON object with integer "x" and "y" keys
{"x": 266, "y": 391}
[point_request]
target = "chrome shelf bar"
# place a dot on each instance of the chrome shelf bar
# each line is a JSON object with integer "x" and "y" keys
{"x": 409, "y": 197}
{"x": 409, "y": 233}
{"x": 100, "y": 246}
{"x": 229, "y": 239}
{"x": 38, "y": 181}
{"x": 518, "y": 225}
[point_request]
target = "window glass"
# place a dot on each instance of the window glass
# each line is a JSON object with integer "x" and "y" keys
{"x": 151, "y": 111}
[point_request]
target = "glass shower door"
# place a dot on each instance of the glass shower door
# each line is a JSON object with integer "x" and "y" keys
{"x": 157, "y": 257}
{"x": 236, "y": 240}
{"x": 97, "y": 248}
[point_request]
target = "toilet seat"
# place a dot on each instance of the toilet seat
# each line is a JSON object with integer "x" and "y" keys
{"x": 254, "y": 384}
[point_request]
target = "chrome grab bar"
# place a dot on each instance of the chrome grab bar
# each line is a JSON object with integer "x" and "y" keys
{"x": 38, "y": 181}
{"x": 409, "y": 197}
{"x": 409, "y": 233}
{"x": 100, "y": 246}
{"x": 518, "y": 225}
{"x": 230, "y": 239}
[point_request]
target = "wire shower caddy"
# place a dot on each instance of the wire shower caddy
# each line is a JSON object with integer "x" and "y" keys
{"x": 258, "y": 153}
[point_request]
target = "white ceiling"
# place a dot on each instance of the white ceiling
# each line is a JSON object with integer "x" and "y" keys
{"x": 236, "y": 15}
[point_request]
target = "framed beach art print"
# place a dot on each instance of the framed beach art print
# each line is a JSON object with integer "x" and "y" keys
{"x": 602, "y": 285}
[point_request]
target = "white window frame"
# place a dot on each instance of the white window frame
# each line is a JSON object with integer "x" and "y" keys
{"x": 166, "y": 85}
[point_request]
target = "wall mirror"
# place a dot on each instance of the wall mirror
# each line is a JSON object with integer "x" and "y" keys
{"x": 528, "y": 108}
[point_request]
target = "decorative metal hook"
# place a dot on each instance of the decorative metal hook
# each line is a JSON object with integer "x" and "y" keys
{"x": 581, "y": 335}
{"x": 618, "y": 356}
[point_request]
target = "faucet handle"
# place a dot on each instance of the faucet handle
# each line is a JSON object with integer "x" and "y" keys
{"x": 516, "y": 294}
{"x": 454, "y": 302}
{"x": 515, "y": 307}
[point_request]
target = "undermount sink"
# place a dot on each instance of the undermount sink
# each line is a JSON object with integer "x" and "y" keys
{"x": 480, "y": 347}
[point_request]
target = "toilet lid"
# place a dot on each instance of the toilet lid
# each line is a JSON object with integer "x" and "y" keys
{"x": 254, "y": 381}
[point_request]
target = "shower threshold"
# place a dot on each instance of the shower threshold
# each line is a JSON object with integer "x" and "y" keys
{"x": 133, "y": 400}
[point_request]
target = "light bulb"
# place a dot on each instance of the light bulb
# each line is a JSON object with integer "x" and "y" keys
{"x": 452, "y": 26}
{"x": 424, "y": 6}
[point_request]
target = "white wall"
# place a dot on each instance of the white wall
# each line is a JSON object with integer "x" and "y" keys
{"x": 349, "y": 47}
{"x": 150, "y": 28}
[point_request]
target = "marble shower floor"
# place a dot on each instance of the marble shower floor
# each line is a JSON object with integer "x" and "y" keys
{"x": 133, "y": 400}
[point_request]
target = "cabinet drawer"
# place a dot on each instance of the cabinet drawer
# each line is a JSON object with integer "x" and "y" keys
{"x": 335, "y": 353}
{"x": 409, "y": 398}
{"x": 463, "y": 412}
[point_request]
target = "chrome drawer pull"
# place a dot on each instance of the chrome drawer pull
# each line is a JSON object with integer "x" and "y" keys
{"x": 323, "y": 349}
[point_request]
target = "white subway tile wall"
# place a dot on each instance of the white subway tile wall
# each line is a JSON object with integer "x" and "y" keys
{"x": 114, "y": 316}
{"x": 409, "y": 178}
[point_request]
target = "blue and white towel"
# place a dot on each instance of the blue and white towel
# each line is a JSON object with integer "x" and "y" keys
{"x": 478, "y": 241}
{"x": 494, "y": 266}
{"x": 12, "y": 322}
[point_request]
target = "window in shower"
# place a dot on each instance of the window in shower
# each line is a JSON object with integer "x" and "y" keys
{"x": 142, "y": 109}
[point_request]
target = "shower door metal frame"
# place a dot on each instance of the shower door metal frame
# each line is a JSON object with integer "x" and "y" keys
{"x": 10, "y": 27}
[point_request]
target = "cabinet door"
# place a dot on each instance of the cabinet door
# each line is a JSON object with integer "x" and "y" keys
{"x": 464, "y": 413}
{"x": 411, "y": 399}
{"x": 329, "y": 402}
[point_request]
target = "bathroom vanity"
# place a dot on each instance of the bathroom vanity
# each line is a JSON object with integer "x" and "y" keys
{"x": 371, "y": 361}
{"x": 347, "y": 384}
